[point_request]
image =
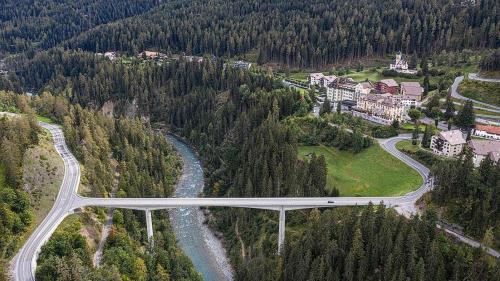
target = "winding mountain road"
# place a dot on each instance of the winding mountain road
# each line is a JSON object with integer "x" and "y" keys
{"x": 67, "y": 201}
{"x": 24, "y": 263}
{"x": 475, "y": 76}
{"x": 455, "y": 94}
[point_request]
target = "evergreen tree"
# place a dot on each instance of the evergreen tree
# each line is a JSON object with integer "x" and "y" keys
{"x": 426, "y": 139}
{"x": 465, "y": 118}
{"x": 326, "y": 108}
{"x": 449, "y": 108}
{"x": 414, "y": 135}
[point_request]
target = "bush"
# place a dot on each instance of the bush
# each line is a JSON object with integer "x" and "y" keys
{"x": 384, "y": 132}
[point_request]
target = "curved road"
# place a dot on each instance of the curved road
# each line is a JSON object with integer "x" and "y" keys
{"x": 475, "y": 76}
{"x": 455, "y": 94}
{"x": 24, "y": 263}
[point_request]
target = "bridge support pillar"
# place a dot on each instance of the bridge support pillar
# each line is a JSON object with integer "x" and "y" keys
{"x": 281, "y": 232}
{"x": 149, "y": 226}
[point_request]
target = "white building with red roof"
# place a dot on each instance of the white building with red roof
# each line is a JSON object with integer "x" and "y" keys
{"x": 487, "y": 131}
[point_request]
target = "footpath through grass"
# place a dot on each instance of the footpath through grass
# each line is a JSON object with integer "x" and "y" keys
{"x": 372, "y": 172}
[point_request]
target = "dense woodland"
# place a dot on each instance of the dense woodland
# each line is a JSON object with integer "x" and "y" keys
{"x": 491, "y": 61}
{"x": 372, "y": 243}
{"x": 17, "y": 134}
{"x": 26, "y": 25}
{"x": 301, "y": 33}
{"x": 147, "y": 166}
{"x": 472, "y": 196}
{"x": 246, "y": 127}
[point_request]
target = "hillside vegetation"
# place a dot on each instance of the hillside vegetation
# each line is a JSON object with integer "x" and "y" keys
{"x": 487, "y": 92}
{"x": 372, "y": 172}
{"x": 17, "y": 134}
{"x": 301, "y": 33}
{"x": 147, "y": 167}
{"x": 26, "y": 25}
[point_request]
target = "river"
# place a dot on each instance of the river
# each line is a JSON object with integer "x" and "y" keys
{"x": 194, "y": 237}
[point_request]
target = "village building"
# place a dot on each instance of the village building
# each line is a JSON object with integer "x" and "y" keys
{"x": 316, "y": 79}
{"x": 411, "y": 94}
{"x": 196, "y": 59}
{"x": 327, "y": 80}
{"x": 448, "y": 143}
{"x": 242, "y": 64}
{"x": 487, "y": 131}
{"x": 152, "y": 55}
{"x": 367, "y": 87}
{"x": 387, "y": 86}
{"x": 401, "y": 65}
{"x": 412, "y": 89}
{"x": 384, "y": 107}
{"x": 483, "y": 149}
{"x": 110, "y": 55}
{"x": 343, "y": 89}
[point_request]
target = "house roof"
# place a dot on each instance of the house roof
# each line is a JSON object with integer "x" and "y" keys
{"x": 484, "y": 147}
{"x": 317, "y": 75}
{"x": 389, "y": 82}
{"x": 454, "y": 137}
{"x": 489, "y": 129}
{"x": 385, "y": 99}
{"x": 367, "y": 85}
{"x": 412, "y": 88}
{"x": 410, "y": 84}
{"x": 330, "y": 78}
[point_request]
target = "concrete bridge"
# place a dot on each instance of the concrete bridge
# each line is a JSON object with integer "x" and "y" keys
{"x": 68, "y": 202}
{"x": 282, "y": 205}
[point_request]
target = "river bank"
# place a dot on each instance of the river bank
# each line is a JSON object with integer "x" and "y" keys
{"x": 199, "y": 243}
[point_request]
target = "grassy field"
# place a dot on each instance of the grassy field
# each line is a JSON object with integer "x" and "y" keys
{"x": 371, "y": 74}
{"x": 481, "y": 91}
{"x": 43, "y": 171}
{"x": 409, "y": 127}
{"x": 44, "y": 119}
{"x": 373, "y": 172}
{"x": 406, "y": 145}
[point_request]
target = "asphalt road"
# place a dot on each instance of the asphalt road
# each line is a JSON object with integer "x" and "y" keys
{"x": 475, "y": 76}
{"x": 24, "y": 263}
{"x": 455, "y": 94}
{"x": 67, "y": 201}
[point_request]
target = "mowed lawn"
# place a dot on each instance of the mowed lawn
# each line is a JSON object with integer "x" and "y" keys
{"x": 372, "y": 172}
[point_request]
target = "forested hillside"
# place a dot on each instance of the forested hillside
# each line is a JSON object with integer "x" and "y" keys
{"x": 247, "y": 128}
{"x": 301, "y": 33}
{"x": 16, "y": 135}
{"x": 123, "y": 156}
{"x": 373, "y": 243}
{"x": 26, "y": 24}
{"x": 471, "y": 197}
{"x": 245, "y": 125}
